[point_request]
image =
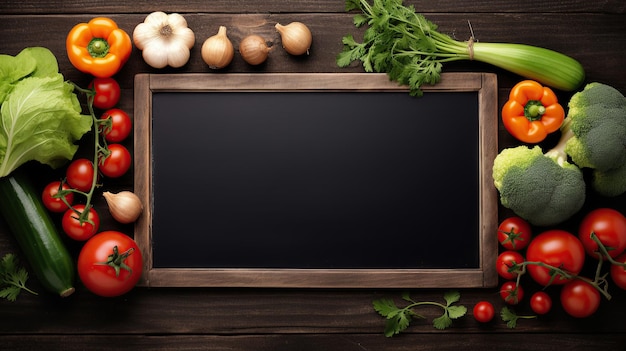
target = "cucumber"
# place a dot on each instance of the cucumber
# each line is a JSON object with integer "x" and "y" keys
{"x": 36, "y": 234}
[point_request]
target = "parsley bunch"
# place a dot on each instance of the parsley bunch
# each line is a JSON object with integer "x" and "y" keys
{"x": 407, "y": 46}
{"x": 12, "y": 278}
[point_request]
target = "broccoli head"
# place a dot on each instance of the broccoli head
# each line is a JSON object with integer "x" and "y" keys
{"x": 541, "y": 188}
{"x": 597, "y": 120}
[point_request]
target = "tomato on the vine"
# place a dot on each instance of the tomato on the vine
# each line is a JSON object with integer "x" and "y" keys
{"x": 556, "y": 248}
{"x": 609, "y": 226}
{"x": 117, "y": 163}
{"x": 580, "y": 299}
{"x": 484, "y": 311}
{"x": 53, "y": 203}
{"x": 505, "y": 261}
{"x": 73, "y": 227}
{"x": 618, "y": 272}
{"x": 121, "y": 125}
{"x": 110, "y": 264}
{"x": 514, "y": 233}
{"x": 79, "y": 174}
{"x": 541, "y": 302}
{"x": 511, "y": 293}
{"x": 107, "y": 92}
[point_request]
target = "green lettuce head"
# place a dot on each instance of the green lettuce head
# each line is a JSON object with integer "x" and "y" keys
{"x": 40, "y": 115}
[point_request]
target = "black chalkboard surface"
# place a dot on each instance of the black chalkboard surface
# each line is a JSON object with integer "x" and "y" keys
{"x": 254, "y": 180}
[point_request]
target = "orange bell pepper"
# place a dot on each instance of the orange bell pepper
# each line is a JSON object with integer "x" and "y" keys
{"x": 99, "y": 47}
{"x": 532, "y": 112}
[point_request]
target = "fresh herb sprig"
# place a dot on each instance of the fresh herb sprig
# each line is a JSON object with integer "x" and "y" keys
{"x": 407, "y": 46}
{"x": 510, "y": 317}
{"x": 12, "y": 278}
{"x": 399, "y": 318}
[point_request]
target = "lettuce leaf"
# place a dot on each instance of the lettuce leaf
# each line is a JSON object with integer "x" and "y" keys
{"x": 40, "y": 120}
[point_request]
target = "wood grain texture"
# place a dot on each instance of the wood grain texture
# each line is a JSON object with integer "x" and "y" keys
{"x": 299, "y": 319}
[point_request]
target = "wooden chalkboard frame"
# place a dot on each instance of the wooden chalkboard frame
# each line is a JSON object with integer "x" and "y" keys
{"x": 485, "y": 84}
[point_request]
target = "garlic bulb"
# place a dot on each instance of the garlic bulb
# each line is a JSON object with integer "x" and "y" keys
{"x": 296, "y": 37}
{"x": 254, "y": 49}
{"x": 217, "y": 50}
{"x": 165, "y": 40}
{"x": 125, "y": 206}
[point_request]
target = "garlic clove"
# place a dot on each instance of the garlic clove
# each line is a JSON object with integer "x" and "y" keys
{"x": 125, "y": 206}
{"x": 296, "y": 37}
{"x": 217, "y": 50}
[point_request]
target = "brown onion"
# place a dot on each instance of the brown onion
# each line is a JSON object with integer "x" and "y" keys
{"x": 217, "y": 50}
{"x": 296, "y": 37}
{"x": 254, "y": 49}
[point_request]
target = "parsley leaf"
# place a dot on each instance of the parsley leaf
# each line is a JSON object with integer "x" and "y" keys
{"x": 12, "y": 278}
{"x": 399, "y": 318}
{"x": 510, "y": 317}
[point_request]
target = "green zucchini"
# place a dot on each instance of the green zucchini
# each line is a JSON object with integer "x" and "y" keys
{"x": 36, "y": 234}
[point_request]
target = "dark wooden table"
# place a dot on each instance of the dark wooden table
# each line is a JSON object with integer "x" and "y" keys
{"x": 299, "y": 319}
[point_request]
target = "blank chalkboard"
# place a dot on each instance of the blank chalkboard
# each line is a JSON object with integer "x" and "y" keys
{"x": 315, "y": 180}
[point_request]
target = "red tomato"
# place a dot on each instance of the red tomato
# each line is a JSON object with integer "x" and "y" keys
{"x": 541, "y": 302}
{"x": 511, "y": 293}
{"x": 107, "y": 92}
{"x": 121, "y": 125}
{"x": 580, "y": 299}
{"x": 117, "y": 163}
{"x": 556, "y": 248}
{"x": 80, "y": 174}
{"x": 75, "y": 229}
{"x": 484, "y": 311}
{"x": 609, "y": 226}
{"x": 110, "y": 264}
{"x": 514, "y": 233}
{"x": 505, "y": 261}
{"x": 53, "y": 203}
{"x": 618, "y": 273}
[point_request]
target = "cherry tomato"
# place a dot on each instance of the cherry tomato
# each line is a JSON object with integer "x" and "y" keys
{"x": 117, "y": 163}
{"x": 110, "y": 264}
{"x": 484, "y": 311}
{"x": 53, "y": 203}
{"x": 511, "y": 293}
{"x": 618, "y": 273}
{"x": 80, "y": 174}
{"x": 514, "y": 233}
{"x": 505, "y": 261}
{"x": 609, "y": 225}
{"x": 557, "y": 248}
{"x": 121, "y": 125}
{"x": 580, "y": 299}
{"x": 77, "y": 230}
{"x": 107, "y": 92}
{"x": 541, "y": 302}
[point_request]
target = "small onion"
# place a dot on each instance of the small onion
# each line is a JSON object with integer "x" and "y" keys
{"x": 296, "y": 37}
{"x": 217, "y": 50}
{"x": 125, "y": 206}
{"x": 254, "y": 49}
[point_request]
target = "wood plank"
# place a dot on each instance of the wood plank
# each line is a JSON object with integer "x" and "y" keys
{"x": 311, "y": 6}
{"x": 338, "y": 342}
{"x": 595, "y": 36}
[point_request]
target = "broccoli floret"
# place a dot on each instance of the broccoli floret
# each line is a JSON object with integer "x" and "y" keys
{"x": 597, "y": 120}
{"x": 542, "y": 188}
{"x": 610, "y": 183}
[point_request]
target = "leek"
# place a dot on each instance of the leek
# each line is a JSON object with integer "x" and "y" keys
{"x": 408, "y": 47}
